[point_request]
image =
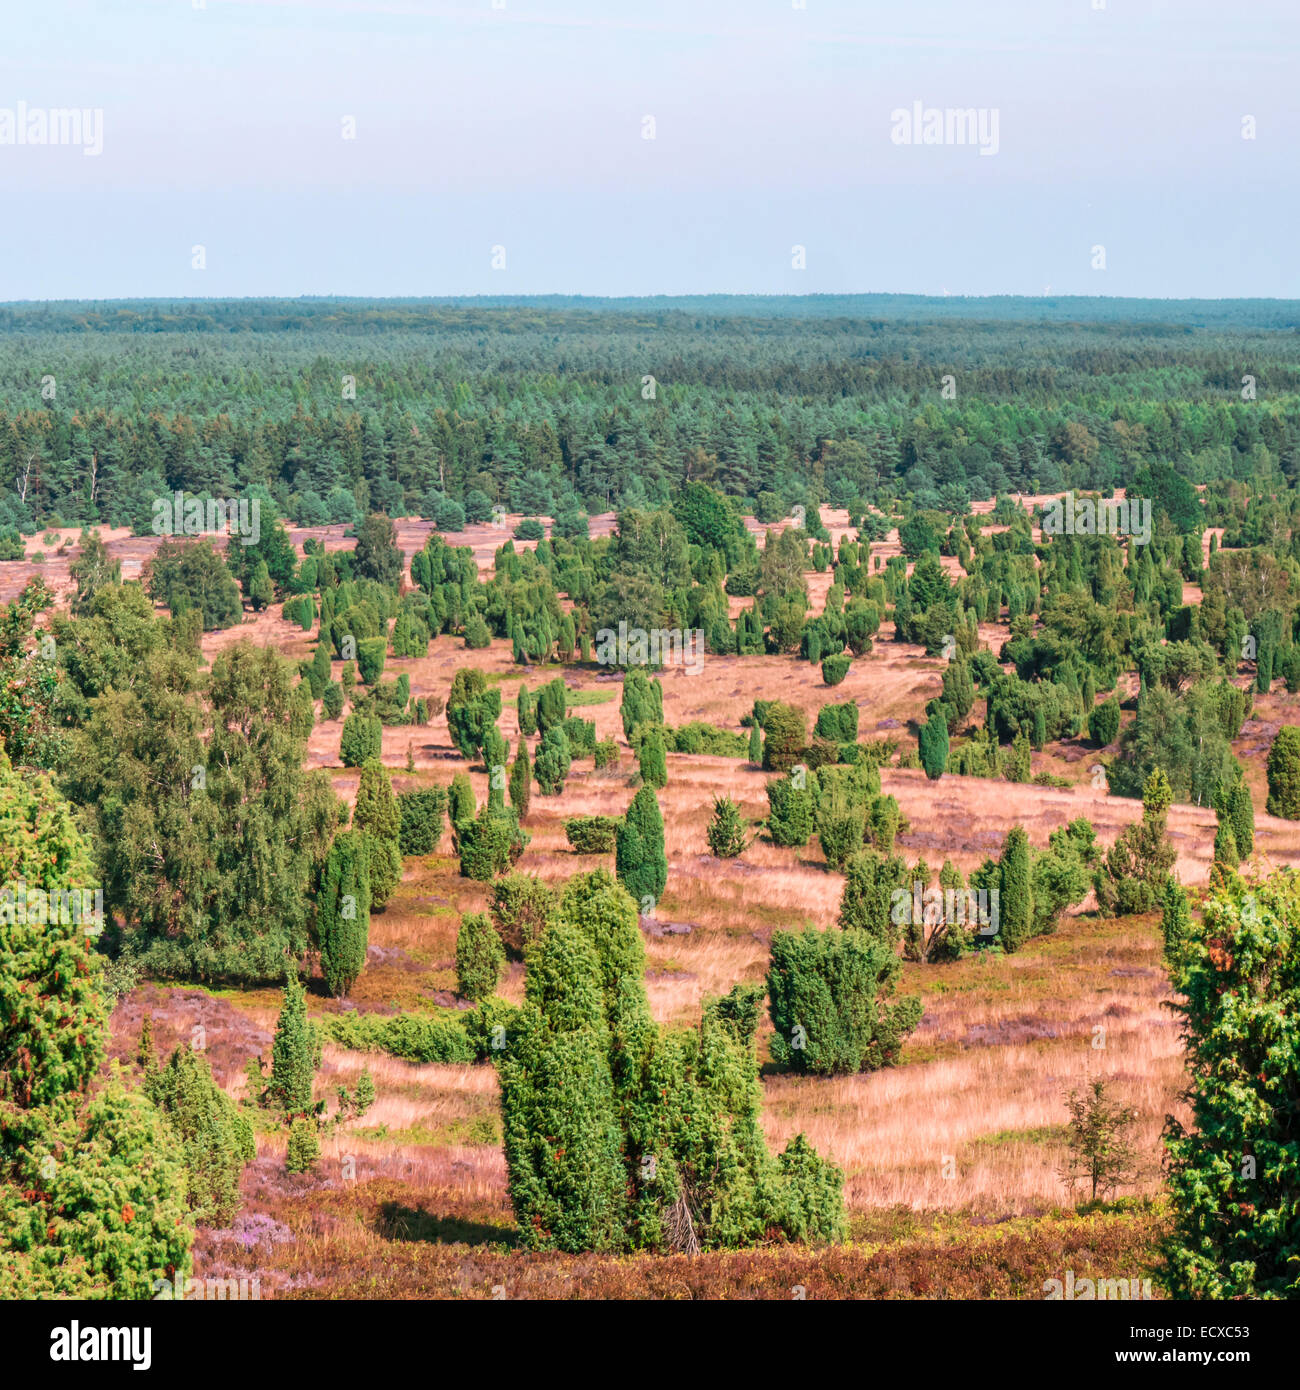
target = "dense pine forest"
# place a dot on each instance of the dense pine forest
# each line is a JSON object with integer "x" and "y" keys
{"x": 337, "y": 408}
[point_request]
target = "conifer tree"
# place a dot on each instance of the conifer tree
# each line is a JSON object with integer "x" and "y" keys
{"x": 934, "y": 744}
{"x": 479, "y": 957}
{"x": 639, "y": 857}
{"x": 72, "y": 1159}
{"x": 343, "y": 911}
{"x": 295, "y": 1051}
{"x": 378, "y": 816}
{"x": 521, "y": 781}
{"x": 1242, "y": 811}
{"x": 1015, "y": 905}
{"x": 652, "y": 760}
{"x": 1284, "y": 773}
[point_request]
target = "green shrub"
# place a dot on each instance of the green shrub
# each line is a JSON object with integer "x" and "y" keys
{"x": 785, "y": 738}
{"x": 521, "y": 906}
{"x": 835, "y": 668}
{"x": 421, "y": 817}
{"x": 838, "y": 723}
{"x": 412, "y": 1037}
{"x": 1103, "y": 722}
{"x": 553, "y": 761}
{"x": 581, "y": 734}
{"x": 934, "y": 745}
{"x": 490, "y": 844}
{"x": 640, "y": 860}
{"x": 606, "y": 752}
{"x": 332, "y": 700}
{"x": 829, "y": 994}
{"x": 295, "y": 1052}
{"x": 303, "y": 1152}
{"x": 1284, "y": 773}
{"x": 591, "y": 834}
{"x": 791, "y": 810}
{"x": 479, "y": 957}
{"x": 371, "y": 654}
{"x": 1233, "y": 1173}
{"x": 361, "y": 740}
{"x": 652, "y": 761}
{"x": 216, "y": 1140}
{"x": 727, "y": 831}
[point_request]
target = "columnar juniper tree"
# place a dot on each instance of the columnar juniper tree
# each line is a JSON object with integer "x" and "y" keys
{"x": 1016, "y": 904}
{"x": 377, "y": 816}
{"x": 639, "y": 857}
{"x": 343, "y": 911}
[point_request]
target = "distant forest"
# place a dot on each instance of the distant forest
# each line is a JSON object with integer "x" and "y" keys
{"x": 333, "y": 408}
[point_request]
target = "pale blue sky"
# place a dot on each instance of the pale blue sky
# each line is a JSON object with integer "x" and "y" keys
{"x": 522, "y": 127}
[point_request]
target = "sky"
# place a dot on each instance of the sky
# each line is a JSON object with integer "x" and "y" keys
{"x": 411, "y": 147}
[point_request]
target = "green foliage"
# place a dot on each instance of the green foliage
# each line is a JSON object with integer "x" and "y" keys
{"x": 527, "y": 710}
{"x": 1016, "y": 907}
{"x": 652, "y": 762}
{"x": 479, "y": 957}
{"x": 190, "y": 575}
{"x": 552, "y": 704}
{"x": 1233, "y": 1173}
{"x": 420, "y": 815}
{"x": 642, "y": 702}
{"x": 1137, "y": 866}
{"x": 490, "y": 844}
{"x": 1176, "y": 920}
{"x": 378, "y": 816}
{"x": 727, "y": 831}
{"x": 934, "y": 745}
{"x": 640, "y": 860}
{"x": 343, "y": 911}
{"x": 830, "y": 994}
{"x": 591, "y": 834}
{"x": 473, "y": 706}
{"x": 303, "y": 1151}
{"x": 1284, "y": 773}
{"x": 791, "y": 810}
{"x": 785, "y": 737}
{"x": 838, "y": 723}
{"x": 1098, "y": 1137}
{"x": 521, "y": 781}
{"x": 553, "y": 761}
{"x": 216, "y": 1141}
{"x": 225, "y": 789}
{"x": 870, "y": 880}
{"x": 361, "y": 740}
{"x": 412, "y": 1037}
{"x": 332, "y": 702}
{"x": 295, "y": 1052}
{"x": 835, "y": 668}
{"x": 1103, "y": 722}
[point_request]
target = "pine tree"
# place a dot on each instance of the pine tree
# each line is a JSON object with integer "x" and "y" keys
{"x": 1015, "y": 898}
{"x": 639, "y": 857}
{"x": 726, "y": 831}
{"x": 295, "y": 1052}
{"x": 343, "y": 911}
